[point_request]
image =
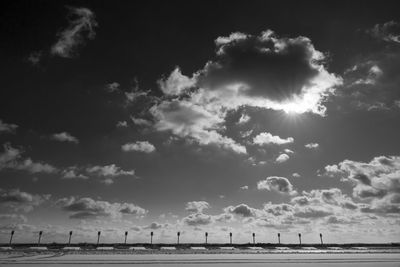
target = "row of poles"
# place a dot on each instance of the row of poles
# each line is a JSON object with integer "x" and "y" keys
{"x": 152, "y": 234}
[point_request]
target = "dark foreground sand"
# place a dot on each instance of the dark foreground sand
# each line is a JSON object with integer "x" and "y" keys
{"x": 200, "y": 259}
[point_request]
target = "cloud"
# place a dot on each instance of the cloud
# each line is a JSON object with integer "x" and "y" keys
{"x": 241, "y": 210}
{"x": 64, "y": 137}
{"x": 376, "y": 182}
{"x": 141, "y": 121}
{"x": 176, "y": 83}
{"x": 72, "y": 173}
{"x": 88, "y": 208}
{"x": 282, "y": 158}
{"x": 245, "y": 187}
{"x": 278, "y": 184}
{"x": 388, "y": 31}
{"x": 312, "y": 146}
{"x": 81, "y": 28}
{"x": 197, "y": 219}
{"x": 35, "y": 57}
{"x": 155, "y": 226}
{"x": 122, "y": 124}
{"x": 108, "y": 172}
{"x": 296, "y": 175}
{"x": 186, "y": 119}
{"x": 262, "y": 71}
{"x": 34, "y": 167}
{"x": 243, "y": 119}
{"x": 20, "y": 200}
{"x": 371, "y": 83}
{"x": 7, "y": 127}
{"x": 112, "y": 87}
{"x": 267, "y": 138}
{"x": 141, "y": 146}
{"x": 11, "y": 158}
{"x": 197, "y": 206}
{"x": 278, "y": 73}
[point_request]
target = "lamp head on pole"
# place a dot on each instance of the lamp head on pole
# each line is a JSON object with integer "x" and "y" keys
{"x": 126, "y": 232}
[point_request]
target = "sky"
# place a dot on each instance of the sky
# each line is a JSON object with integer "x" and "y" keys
{"x": 200, "y": 116}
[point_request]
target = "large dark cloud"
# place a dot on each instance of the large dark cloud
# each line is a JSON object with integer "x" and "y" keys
{"x": 274, "y": 68}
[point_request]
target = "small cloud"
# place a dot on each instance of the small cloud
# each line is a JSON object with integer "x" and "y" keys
{"x": 35, "y": 57}
{"x": 72, "y": 173}
{"x": 109, "y": 173}
{"x": 288, "y": 151}
{"x": 81, "y": 27}
{"x": 64, "y": 137}
{"x": 296, "y": 175}
{"x": 140, "y": 146}
{"x": 112, "y": 87}
{"x": 278, "y": 184}
{"x": 122, "y": 124}
{"x": 140, "y": 121}
{"x": 282, "y": 158}
{"x": 7, "y": 127}
{"x": 243, "y": 119}
{"x": 312, "y": 145}
{"x": 245, "y": 187}
{"x": 267, "y": 138}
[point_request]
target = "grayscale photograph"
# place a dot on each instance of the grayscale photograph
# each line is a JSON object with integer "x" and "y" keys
{"x": 199, "y": 133}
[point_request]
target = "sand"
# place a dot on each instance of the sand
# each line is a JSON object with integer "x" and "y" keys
{"x": 199, "y": 259}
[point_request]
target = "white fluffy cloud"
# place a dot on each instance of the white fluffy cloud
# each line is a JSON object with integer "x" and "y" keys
{"x": 81, "y": 27}
{"x": 109, "y": 172}
{"x": 312, "y": 145}
{"x": 278, "y": 184}
{"x": 282, "y": 158}
{"x": 377, "y": 182}
{"x": 176, "y": 83}
{"x": 64, "y": 137}
{"x": 267, "y": 138}
{"x": 187, "y": 119}
{"x": 141, "y": 146}
{"x": 197, "y": 206}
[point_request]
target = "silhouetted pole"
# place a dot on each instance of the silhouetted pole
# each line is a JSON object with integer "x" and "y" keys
{"x": 254, "y": 238}
{"x": 11, "y": 236}
{"x": 300, "y": 239}
{"x": 126, "y": 235}
{"x": 279, "y": 238}
{"x": 320, "y": 237}
{"x": 151, "y": 238}
{"x": 40, "y": 237}
{"x": 178, "y": 234}
{"x": 230, "y": 238}
{"x": 98, "y": 237}
{"x": 69, "y": 239}
{"x": 206, "y": 237}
